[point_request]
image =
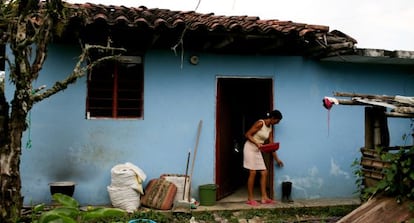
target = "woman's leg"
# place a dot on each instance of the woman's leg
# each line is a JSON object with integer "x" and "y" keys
{"x": 263, "y": 180}
{"x": 250, "y": 185}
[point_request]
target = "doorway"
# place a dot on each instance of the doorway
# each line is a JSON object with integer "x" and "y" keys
{"x": 240, "y": 102}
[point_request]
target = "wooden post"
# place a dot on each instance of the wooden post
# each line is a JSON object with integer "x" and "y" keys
{"x": 369, "y": 131}
{"x": 376, "y": 128}
{"x": 382, "y": 136}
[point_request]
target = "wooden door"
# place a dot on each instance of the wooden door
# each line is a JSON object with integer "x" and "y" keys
{"x": 240, "y": 102}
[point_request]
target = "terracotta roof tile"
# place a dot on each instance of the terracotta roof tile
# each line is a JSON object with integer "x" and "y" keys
{"x": 164, "y": 19}
{"x": 154, "y": 17}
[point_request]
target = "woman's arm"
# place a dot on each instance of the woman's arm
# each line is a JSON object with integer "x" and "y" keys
{"x": 250, "y": 133}
{"x": 276, "y": 158}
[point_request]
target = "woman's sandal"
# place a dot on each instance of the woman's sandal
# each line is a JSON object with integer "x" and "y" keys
{"x": 268, "y": 201}
{"x": 252, "y": 203}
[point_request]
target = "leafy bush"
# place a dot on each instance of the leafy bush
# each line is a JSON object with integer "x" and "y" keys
{"x": 69, "y": 212}
{"x": 398, "y": 176}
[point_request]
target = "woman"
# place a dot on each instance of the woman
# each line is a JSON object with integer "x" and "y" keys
{"x": 260, "y": 133}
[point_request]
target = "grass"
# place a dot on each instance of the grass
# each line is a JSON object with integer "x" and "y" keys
{"x": 319, "y": 214}
{"x": 279, "y": 215}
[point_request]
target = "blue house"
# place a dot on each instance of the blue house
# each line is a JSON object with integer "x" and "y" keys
{"x": 185, "y": 68}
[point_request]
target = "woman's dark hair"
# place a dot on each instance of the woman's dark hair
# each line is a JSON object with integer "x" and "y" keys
{"x": 274, "y": 114}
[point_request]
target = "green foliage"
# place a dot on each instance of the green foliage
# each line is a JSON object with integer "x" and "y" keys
{"x": 69, "y": 212}
{"x": 359, "y": 180}
{"x": 398, "y": 178}
{"x": 155, "y": 216}
{"x": 266, "y": 215}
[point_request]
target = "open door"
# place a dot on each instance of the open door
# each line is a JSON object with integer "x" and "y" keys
{"x": 240, "y": 102}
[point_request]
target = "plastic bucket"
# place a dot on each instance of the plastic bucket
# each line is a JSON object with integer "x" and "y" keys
{"x": 207, "y": 194}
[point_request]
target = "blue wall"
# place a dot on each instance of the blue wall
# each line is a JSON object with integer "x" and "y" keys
{"x": 66, "y": 146}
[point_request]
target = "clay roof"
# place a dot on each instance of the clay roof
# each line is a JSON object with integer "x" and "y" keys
{"x": 158, "y": 28}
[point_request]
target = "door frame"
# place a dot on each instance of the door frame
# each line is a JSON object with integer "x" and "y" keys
{"x": 230, "y": 105}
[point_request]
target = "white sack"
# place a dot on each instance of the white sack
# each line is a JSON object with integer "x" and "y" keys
{"x": 125, "y": 198}
{"x": 128, "y": 175}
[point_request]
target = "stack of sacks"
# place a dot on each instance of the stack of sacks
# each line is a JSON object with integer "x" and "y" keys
{"x": 126, "y": 186}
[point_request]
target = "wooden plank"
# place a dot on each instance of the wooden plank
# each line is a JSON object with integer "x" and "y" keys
{"x": 399, "y": 115}
{"x": 371, "y": 96}
{"x": 380, "y": 210}
{"x": 369, "y": 153}
{"x": 374, "y": 162}
{"x": 375, "y": 174}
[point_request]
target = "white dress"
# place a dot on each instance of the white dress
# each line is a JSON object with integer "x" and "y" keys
{"x": 252, "y": 157}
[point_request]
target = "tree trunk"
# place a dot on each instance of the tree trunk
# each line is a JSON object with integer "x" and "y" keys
{"x": 24, "y": 33}
{"x": 11, "y": 200}
{"x": 13, "y": 126}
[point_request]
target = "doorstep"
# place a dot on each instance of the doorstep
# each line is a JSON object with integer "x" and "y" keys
{"x": 232, "y": 206}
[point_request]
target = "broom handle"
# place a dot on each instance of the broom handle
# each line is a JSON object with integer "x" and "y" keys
{"x": 186, "y": 173}
{"x": 194, "y": 156}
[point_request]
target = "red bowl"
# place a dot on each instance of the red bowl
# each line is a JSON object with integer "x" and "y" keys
{"x": 271, "y": 147}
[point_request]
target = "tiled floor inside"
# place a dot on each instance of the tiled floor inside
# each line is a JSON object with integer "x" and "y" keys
{"x": 240, "y": 196}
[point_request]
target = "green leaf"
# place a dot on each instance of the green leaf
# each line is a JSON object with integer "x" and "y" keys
{"x": 412, "y": 175}
{"x": 65, "y": 200}
{"x": 382, "y": 184}
{"x": 103, "y": 213}
{"x": 50, "y": 217}
{"x": 65, "y": 211}
{"x": 39, "y": 207}
{"x": 405, "y": 170}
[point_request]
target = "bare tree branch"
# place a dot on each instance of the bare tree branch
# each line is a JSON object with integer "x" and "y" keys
{"x": 44, "y": 35}
{"x": 79, "y": 71}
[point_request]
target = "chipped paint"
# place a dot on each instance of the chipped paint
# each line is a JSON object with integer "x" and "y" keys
{"x": 306, "y": 184}
{"x": 336, "y": 170}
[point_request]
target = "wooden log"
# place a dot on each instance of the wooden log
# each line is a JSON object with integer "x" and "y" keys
{"x": 370, "y": 153}
{"x": 338, "y": 46}
{"x": 335, "y": 39}
{"x": 349, "y": 102}
{"x": 374, "y": 174}
{"x": 393, "y": 148}
{"x": 380, "y": 209}
{"x": 370, "y": 96}
{"x": 399, "y": 115}
{"x": 404, "y": 110}
{"x": 374, "y": 163}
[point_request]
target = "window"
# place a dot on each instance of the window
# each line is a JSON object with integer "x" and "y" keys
{"x": 115, "y": 89}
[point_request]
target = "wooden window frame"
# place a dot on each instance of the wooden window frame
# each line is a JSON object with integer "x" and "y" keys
{"x": 115, "y": 89}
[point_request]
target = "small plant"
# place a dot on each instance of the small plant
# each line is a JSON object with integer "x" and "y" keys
{"x": 359, "y": 181}
{"x": 156, "y": 216}
{"x": 399, "y": 176}
{"x": 69, "y": 212}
